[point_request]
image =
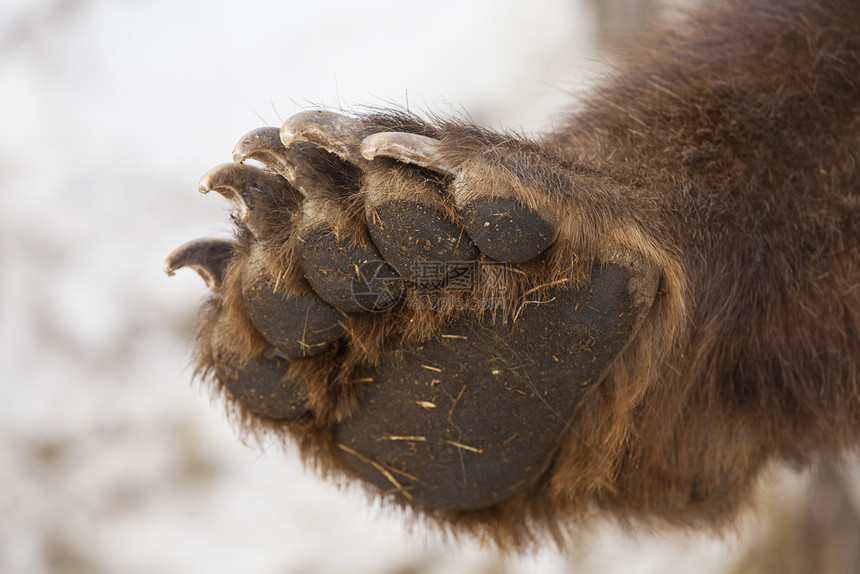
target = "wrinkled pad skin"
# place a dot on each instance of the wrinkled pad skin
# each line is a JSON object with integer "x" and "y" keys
{"x": 470, "y": 417}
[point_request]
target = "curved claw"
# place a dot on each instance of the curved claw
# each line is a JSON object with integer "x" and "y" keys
{"x": 206, "y": 256}
{"x": 264, "y": 145}
{"x": 336, "y": 133}
{"x": 251, "y": 191}
{"x": 408, "y": 148}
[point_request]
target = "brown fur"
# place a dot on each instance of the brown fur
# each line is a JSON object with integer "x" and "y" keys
{"x": 725, "y": 154}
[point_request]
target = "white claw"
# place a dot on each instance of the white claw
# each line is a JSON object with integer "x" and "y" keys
{"x": 206, "y": 256}
{"x": 250, "y": 190}
{"x": 264, "y": 145}
{"x": 409, "y": 148}
{"x": 333, "y": 132}
{"x": 227, "y": 181}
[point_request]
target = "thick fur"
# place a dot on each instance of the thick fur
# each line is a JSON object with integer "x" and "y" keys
{"x": 726, "y": 154}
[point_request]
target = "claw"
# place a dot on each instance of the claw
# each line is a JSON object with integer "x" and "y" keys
{"x": 206, "y": 256}
{"x": 333, "y": 132}
{"x": 264, "y": 145}
{"x": 408, "y": 148}
{"x": 250, "y": 190}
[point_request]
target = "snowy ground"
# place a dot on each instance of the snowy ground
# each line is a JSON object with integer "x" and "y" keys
{"x": 110, "y": 459}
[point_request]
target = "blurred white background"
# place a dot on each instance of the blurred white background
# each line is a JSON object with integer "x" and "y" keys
{"x": 111, "y": 460}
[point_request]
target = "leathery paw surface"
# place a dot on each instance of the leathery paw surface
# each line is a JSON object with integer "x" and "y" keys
{"x": 413, "y": 303}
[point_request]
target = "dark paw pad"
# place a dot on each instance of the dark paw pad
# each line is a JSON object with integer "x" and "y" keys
{"x": 506, "y": 230}
{"x": 476, "y": 414}
{"x": 297, "y": 324}
{"x": 260, "y": 384}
